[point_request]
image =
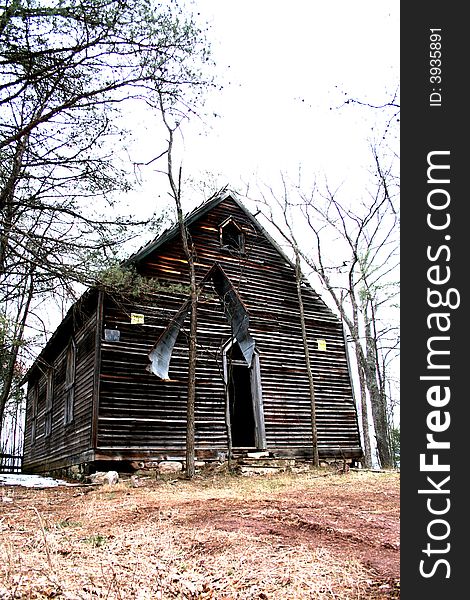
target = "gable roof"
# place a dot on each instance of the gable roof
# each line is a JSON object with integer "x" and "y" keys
{"x": 153, "y": 245}
{"x": 194, "y": 216}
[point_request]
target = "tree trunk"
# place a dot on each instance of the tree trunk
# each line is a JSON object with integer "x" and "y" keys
{"x": 190, "y": 427}
{"x": 298, "y": 279}
{"x": 354, "y": 329}
{"x": 364, "y": 415}
{"x": 9, "y": 373}
{"x": 378, "y": 405}
{"x": 192, "y": 345}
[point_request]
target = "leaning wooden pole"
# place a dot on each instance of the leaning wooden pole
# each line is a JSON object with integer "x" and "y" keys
{"x": 189, "y": 254}
{"x": 298, "y": 280}
{"x": 191, "y": 404}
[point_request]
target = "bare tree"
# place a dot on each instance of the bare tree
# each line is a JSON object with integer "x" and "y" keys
{"x": 287, "y": 233}
{"x": 363, "y": 285}
{"x": 66, "y": 68}
{"x": 12, "y": 338}
{"x": 189, "y": 252}
{"x": 354, "y": 254}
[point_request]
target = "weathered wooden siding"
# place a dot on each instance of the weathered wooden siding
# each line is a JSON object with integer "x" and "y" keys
{"x": 139, "y": 413}
{"x": 66, "y": 442}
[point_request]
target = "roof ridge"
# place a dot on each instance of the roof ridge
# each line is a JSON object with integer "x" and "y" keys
{"x": 189, "y": 218}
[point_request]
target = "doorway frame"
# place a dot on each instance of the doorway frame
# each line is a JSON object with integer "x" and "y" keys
{"x": 256, "y": 394}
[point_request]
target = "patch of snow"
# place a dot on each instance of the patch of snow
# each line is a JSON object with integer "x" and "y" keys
{"x": 30, "y": 481}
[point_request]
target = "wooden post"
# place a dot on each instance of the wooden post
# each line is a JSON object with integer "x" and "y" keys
{"x": 298, "y": 280}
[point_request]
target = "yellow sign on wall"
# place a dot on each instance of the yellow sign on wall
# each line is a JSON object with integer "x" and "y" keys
{"x": 321, "y": 345}
{"x": 137, "y": 319}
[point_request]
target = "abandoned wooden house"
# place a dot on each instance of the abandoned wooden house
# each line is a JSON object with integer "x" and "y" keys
{"x": 111, "y": 383}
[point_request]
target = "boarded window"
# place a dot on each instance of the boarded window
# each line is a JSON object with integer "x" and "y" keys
{"x": 231, "y": 236}
{"x": 49, "y": 403}
{"x": 70, "y": 382}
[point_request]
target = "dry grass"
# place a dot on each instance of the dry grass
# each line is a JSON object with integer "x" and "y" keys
{"x": 219, "y": 538}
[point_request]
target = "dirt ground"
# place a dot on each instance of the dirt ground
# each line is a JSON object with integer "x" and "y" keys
{"x": 287, "y": 536}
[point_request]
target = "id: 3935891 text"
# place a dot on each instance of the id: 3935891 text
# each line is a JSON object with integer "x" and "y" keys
{"x": 435, "y": 67}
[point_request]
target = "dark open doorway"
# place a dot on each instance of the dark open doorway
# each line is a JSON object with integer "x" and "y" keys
{"x": 244, "y": 399}
{"x": 242, "y": 420}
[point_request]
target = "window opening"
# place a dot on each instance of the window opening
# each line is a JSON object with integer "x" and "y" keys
{"x": 231, "y": 236}
{"x": 34, "y": 412}
{"x": 70, "y": 382}
{"x": 49, "y": 403}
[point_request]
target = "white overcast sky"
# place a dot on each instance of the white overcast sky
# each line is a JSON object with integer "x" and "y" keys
{"x": 286, "y": 67}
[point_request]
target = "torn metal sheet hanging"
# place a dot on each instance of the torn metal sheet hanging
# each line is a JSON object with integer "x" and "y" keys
{"x": 234, "y": 310}
{"x": 160, "y": 355}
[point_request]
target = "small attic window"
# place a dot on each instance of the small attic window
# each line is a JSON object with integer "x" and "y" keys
{"x": 231, "y": 235}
